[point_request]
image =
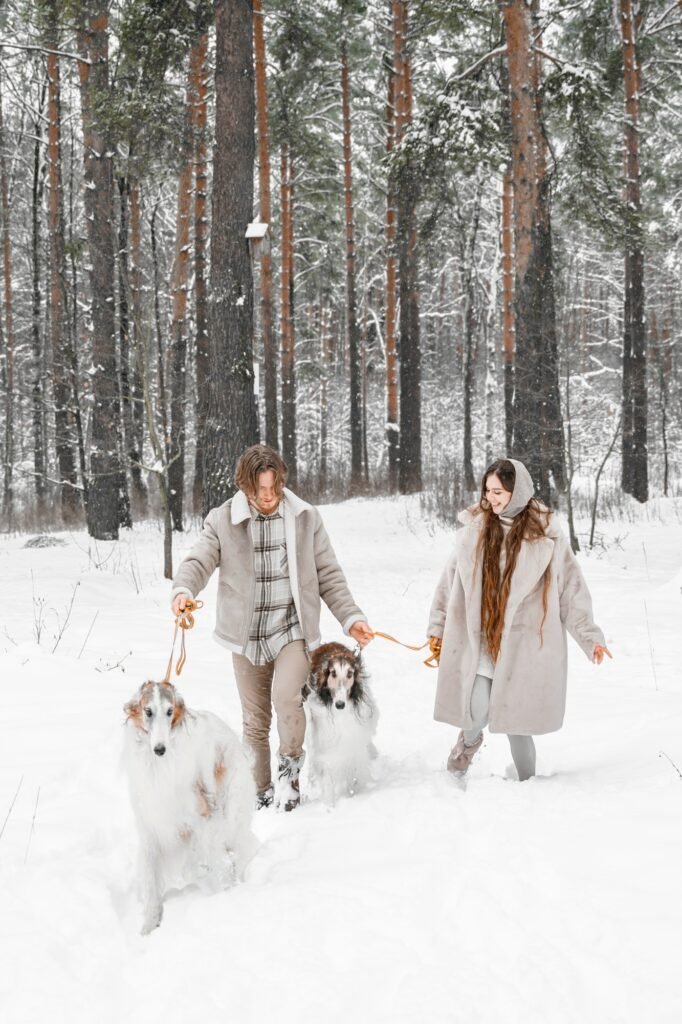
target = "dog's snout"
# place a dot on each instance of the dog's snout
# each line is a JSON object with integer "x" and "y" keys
{"x": 160, "y": 749}
{"x": 340, "y": 704}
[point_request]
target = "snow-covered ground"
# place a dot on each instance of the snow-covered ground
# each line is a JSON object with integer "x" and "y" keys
{"x": 556, "y": 901}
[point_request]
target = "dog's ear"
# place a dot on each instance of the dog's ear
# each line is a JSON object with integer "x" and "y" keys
{"x": 133, "y": 710}
{"x": 179, "y": 709}
{"x": 360, "y": 676}
{"x": 322, "y": 672}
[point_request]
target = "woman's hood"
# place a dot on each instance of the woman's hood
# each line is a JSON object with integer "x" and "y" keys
{"x": 522, "y": 493}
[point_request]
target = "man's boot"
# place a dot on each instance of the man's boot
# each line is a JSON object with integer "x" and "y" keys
{"x": 264, "y": 798}
{"x": 288, "y": 793}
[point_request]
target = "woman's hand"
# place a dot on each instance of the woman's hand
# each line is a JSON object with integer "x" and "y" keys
{"x": 435, "y": 645}
{"x": 179, "y": 604}
{"x": 362, "y": 633}
{"x": 598, "y": 654}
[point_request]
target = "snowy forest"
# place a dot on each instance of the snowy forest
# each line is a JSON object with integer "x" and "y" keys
{"x": 393, "y": 239}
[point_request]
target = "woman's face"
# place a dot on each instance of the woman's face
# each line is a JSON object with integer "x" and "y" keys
{"x": 496, "y": 494}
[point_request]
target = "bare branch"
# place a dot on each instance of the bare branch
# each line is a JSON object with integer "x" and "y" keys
{"x": 43, "y": 49}
{"x": 499, "y": 51}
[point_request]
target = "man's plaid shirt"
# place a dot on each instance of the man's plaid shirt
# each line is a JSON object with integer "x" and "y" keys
{"x": 274, "y": 623}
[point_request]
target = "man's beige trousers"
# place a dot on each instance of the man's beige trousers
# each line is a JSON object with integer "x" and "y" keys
{"x": 278, "y": 683}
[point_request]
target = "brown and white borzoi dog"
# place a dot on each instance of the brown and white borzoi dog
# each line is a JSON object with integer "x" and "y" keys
{"x": 341, "y": 721}
{"x": 193, "y": 796}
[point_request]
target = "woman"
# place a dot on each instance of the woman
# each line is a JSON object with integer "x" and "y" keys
{"x": 500, "y": 614}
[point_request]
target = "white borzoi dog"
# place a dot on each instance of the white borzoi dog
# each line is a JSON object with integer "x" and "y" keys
{"x": 341, "y": 721}
{"x": 193, "y": 796}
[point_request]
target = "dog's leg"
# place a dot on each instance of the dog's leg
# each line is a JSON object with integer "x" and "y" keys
{"x": 150, "y": 885}
{"x": 328, "y": 788}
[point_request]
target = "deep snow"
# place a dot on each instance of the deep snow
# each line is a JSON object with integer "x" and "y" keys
{"x": 549, "y": 902}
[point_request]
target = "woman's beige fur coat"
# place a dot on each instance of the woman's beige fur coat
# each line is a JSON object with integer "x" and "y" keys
{"x": 529, "y": 685}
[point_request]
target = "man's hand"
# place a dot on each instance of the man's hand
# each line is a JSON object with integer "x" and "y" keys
{"x": 179, "y": 604}
{"x": 598, "y": 654}
{"x": 361, "y": 633}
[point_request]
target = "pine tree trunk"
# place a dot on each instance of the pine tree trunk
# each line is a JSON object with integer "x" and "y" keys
{"x": 267, "y": 317}
{"x": 468, "y": 230}
{"x": 326, "y": 364}
{"x": 407, "y": 189}
{"x": 392, "y": 427}
{"x": 231, "y": 424}
{"x": 491, "y": 336}
{"x": 538, "y": 433}
{"x": 159, "y": 360}
{"x": 178, "y": 338}
{"x": 508, "y": 305}
{"x": 665, "y": 367}
{"x": 70, "y": 324}
{"x": 199, "y": 66}
{"x": 37, "y": 386}
{"x": 64, "y": 385}
{"x": 469, "y": 317}
{"x": 635, "y": 414}
{"x": 352, "y": 326}
{"x": 8, "y": 455}
{"x": 287, "y": 315}
{"x": 129, "y": 380}
{"x": 125, "y": 399}
{"x": 137, "y": 339}
{"x": 105, "y": 469}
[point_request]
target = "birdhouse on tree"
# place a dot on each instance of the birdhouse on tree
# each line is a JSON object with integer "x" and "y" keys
{"x": 258, "y": 235}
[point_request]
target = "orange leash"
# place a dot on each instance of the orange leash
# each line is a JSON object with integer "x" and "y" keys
{"x": 183, "y": 621}
{"x": 434, "y": 646}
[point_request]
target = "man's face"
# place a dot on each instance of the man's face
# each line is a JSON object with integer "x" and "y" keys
{"x": 266, "y": 497}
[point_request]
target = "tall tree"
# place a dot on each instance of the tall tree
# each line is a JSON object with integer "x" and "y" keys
{"x": 136, "y": 425}
{"x": 352, "y": 325}
{"x": 199, "y": 66}
{"x": 105, "y": 469}
{"x": 265, "y": 209}
{"x": 392, "y": 424}
{"x": 288, "y": 328}
{"x": 63, "y": 359}
{"x": 125, "y": 434}
{"x": 537, "y": 427}
{"x": 231, "y": 424}
{"x": 38, "y": 390}
{"x": 635, "y": 458}
{"x": 406, "y": 193}
{"x": 9, "y": 368}
{"x": 179, "y": 314}
{"x": 507, "y": 245}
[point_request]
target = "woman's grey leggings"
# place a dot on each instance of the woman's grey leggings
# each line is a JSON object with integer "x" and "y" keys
{"x": 522, "y": 747}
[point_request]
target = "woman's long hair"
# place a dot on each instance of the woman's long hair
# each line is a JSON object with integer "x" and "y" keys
{"x": 530, "y": 525}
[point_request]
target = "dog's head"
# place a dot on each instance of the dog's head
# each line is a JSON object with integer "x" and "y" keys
{"x": 335, "y": 676}
{"x": 157, "y": 710}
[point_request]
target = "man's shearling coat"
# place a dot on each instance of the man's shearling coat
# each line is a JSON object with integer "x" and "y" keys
{"x": 226, "y": 544}
{"x": 529, "y": 684}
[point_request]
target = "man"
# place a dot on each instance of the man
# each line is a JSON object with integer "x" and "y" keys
{"x": 275, "y": 565}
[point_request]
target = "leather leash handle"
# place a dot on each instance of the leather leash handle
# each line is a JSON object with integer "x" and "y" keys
{"x": 184, "y": 620}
